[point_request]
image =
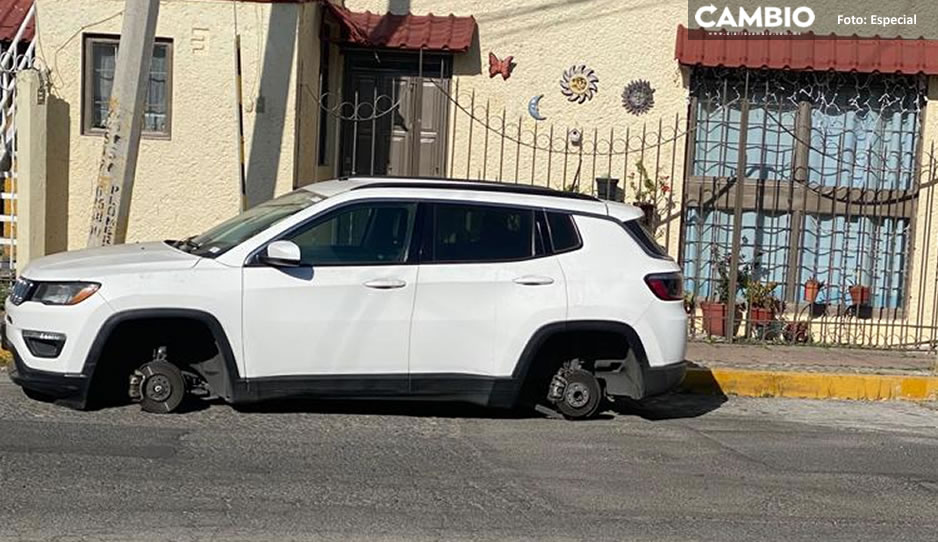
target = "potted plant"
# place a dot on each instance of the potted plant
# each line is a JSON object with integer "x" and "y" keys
{"x": 651, "y": 196}
{"x": 714, "y": 313}
{"x": 812, "y": 287}
{"x": 763, "y": 305}
{"x": 860, "y": 294}
{"x": 607, "y": 188}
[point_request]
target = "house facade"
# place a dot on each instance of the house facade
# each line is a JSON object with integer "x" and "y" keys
{"x": 777, "y": 161}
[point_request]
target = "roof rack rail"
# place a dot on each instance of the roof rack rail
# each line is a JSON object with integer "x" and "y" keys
{"x": 460, "y": 184}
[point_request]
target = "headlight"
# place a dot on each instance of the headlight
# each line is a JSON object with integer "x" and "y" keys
{"x": 63, "y": 293}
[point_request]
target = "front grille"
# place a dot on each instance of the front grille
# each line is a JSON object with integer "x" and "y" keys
{"x": 21, "y": 291}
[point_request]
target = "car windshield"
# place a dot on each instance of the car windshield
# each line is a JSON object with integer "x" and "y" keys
{"x": 238, "y": 229}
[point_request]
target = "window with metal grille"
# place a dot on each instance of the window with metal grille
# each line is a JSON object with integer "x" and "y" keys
{"x": 100, "y": 60}
{"x": 829, "y": 177}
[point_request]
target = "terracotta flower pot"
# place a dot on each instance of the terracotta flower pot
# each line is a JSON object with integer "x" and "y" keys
{"x": 811, "y": 290}
{"x": 760, "y": 316}
{"x": 860, "y": 295}
{"x": 714, "y": 318}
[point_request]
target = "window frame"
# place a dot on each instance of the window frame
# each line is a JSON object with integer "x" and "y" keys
{"x": 87, "y": 60}
{"x": 410, "y": 255}
{"x": 784, "y": 195}
{"x": 550, "y": 232}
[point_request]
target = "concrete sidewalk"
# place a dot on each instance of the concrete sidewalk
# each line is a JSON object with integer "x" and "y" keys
{"x": 752, "y": 370}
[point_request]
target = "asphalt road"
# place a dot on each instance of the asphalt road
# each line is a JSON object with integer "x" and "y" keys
{"x": 681, "y": 468}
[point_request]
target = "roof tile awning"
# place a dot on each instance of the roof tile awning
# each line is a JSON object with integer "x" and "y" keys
{"x": 12, "y": 14}
{"x": 698, "y": 47}
{"x": 409, "y": 32}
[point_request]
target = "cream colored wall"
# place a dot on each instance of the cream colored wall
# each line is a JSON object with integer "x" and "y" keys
{"x": 188, "y": 182}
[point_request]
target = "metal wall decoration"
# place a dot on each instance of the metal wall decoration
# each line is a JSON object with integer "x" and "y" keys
{"x": 579, "y": 83}
{"x": 638, "y": 97}
{"x": 501, "y": 67}
{"x": 534, "y": 108}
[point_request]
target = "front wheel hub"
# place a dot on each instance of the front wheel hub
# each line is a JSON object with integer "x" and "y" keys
{"x": 577, "y": 395}
{"x": 157, "y": 388}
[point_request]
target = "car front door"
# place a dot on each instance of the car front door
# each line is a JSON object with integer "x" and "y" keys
{"x": 346, "y": 309}
{"x": 486, "y": 284}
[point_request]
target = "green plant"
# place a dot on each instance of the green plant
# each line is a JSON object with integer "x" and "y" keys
{"x": 652, "y": 193}
{"x": 761, "y": 295}
{"x": 723, "y": 271}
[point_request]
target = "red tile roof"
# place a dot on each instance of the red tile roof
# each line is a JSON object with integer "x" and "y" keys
{"x": 12, "y": 13}
{"x": 413, "y": 32}
{"x": 807, "y": 52}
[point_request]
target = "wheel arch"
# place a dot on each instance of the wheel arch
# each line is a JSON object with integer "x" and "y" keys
{"x": 625, "y": 380}
{"x": 225, "y": 374}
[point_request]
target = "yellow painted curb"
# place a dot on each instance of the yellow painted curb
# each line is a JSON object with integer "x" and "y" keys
{"x": 867, "y": 387}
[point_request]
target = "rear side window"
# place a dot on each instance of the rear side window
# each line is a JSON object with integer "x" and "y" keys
{"x": 645, "y": 240}
{"x": 563, "y": 234}
{"x": 479, "y": 233}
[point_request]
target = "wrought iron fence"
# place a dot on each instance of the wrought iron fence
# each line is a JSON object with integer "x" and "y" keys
{"x": 799, "y": 205}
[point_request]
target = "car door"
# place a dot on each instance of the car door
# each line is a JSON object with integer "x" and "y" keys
{"x": 486, "y": 283}
{"x": 346, "y": 310}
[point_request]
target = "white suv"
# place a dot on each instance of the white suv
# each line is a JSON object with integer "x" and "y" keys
{"x": 489, "y": 293}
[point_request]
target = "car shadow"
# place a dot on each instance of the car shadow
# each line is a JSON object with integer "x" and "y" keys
{"x": 420, "y": 409}
{"x": 670, "y": 406}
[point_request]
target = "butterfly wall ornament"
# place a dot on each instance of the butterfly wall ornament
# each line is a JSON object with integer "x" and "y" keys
{"x": 503, "y": 66}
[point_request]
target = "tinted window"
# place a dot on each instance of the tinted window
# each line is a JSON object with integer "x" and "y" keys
{"x": 645, "y": 239}
{"x": 371, "y": 233}
{"x": 473, "y": 233}
{"x": 563, "y": 234}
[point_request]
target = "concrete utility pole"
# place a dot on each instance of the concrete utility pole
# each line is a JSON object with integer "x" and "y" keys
{"x": 115, "y": 183}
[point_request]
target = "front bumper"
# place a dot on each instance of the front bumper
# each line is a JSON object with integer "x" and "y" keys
{"x": 66, "y": 389}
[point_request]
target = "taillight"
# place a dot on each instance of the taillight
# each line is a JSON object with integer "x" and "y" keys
{"x": 666, "y": 286}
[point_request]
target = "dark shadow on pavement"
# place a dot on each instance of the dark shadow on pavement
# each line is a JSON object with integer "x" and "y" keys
{"x": 671, "y": 406}
{"x": 430, "y": 409}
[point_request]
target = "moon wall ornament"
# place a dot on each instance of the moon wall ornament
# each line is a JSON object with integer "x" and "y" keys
{"x": 638, "y": 97}
{"x": 579, "y": 83}
{"x": 534, "y": 108}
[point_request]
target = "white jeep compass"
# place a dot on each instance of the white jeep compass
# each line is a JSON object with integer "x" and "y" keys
{"x": 489, "y": 293}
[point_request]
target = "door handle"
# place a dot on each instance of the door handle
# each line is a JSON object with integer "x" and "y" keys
{"x": 534, "y": 280}
{"x": 384, "y": 284}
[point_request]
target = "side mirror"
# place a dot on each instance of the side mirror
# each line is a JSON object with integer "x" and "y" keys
{"x": 281, "y": 254}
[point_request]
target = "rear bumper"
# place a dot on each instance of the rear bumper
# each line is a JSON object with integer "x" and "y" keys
{"x": 66, "y": 389}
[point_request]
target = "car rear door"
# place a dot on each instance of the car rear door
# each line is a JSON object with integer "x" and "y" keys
{"x": 486, "y": 283}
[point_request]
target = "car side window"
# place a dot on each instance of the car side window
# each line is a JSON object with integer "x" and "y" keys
{"x": 480, "y": 233}
{"x": 563, "y": 234}
{"x": 362, "y": 234}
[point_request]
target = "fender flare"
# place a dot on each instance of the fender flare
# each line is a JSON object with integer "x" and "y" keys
{"x": 228, "y": 369}
{"x": 540, "y": 337}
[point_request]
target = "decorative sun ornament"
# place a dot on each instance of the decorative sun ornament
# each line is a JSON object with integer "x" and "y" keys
{"x": 579, "y": 83}
{"x": 638, "y": 97}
